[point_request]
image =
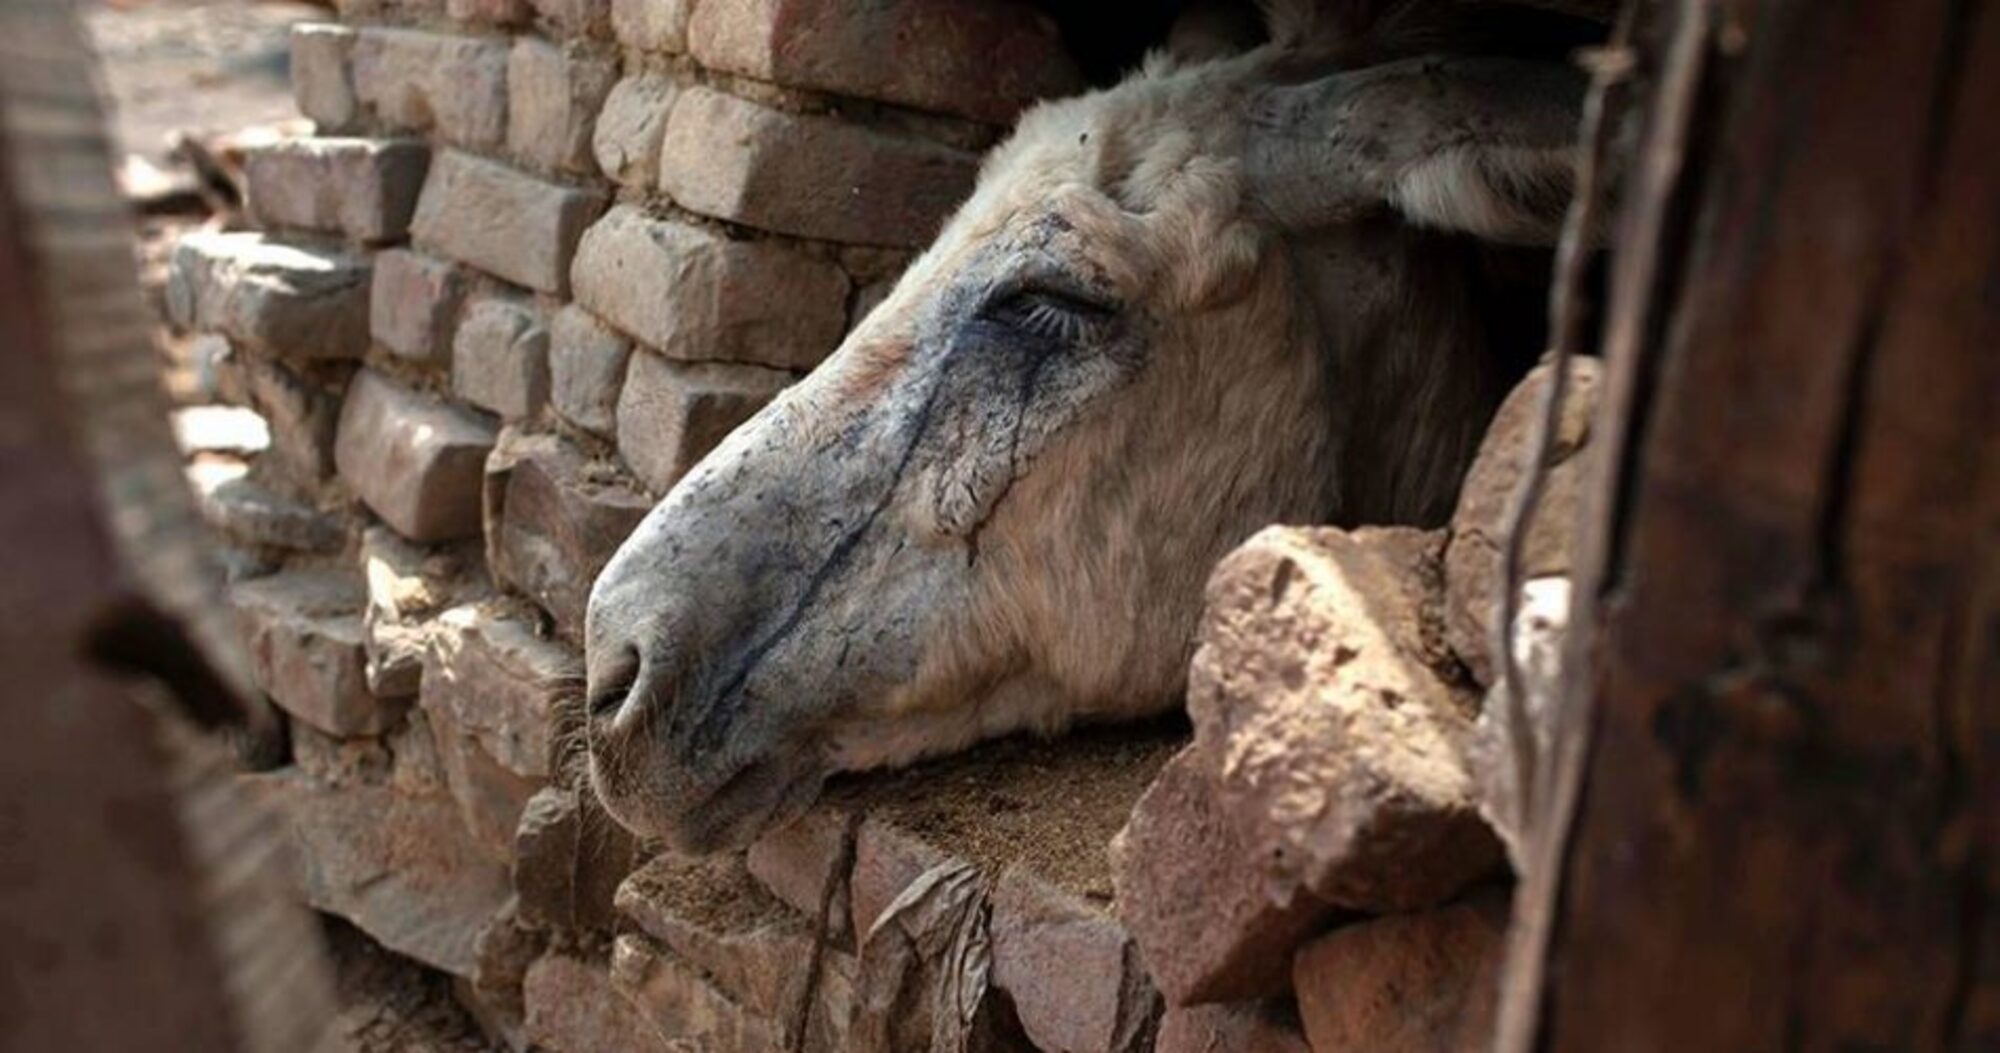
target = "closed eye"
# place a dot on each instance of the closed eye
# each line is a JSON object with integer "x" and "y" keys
{"x": 1050, "y": 313}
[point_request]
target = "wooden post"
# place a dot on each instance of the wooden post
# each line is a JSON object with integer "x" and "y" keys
{"x": 1785, "y": 828}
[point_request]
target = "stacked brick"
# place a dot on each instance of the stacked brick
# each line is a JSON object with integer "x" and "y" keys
{"x": 537, "y": 259}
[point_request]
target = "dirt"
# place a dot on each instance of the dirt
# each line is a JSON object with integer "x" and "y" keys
{"x": 1051, "y": 806}
{"x": 717, "y": 894}
{"x": 389, "y": 1004}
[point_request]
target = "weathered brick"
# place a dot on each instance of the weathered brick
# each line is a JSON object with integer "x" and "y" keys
{"x": 554, "y": 95}
{"x": 1413, "y": 983}
{"x": 558, "y": 523}
{"x": 1473, "y": 561}
{"x": 573, "y": 1008}
{"x": 670, "y": 414}
{"x": 502, "y": 221}
{"x": 1069, "y": 970}
{"x": 682, "y": 1005}
{"x": 488, "y": 12}
{"x": 504, "y": 952}
{"x": 577, "y": 18}
{"x": 500, "y": 357}
{"x": 434, "y": 82}
{"x": 796, "y": 861}
{"x": 651, "y": 25}
{"x": 1231, "y": 1027}
{"x": 415, "y": 461}
{"x": 1195, "y": 899}
{"x": 323, "y": 76}
{"x": 626, "y": 140}
{"x": 293, "y": 300}
{"x": 304, "y": 634}
{"x": 975, "y": 58}
{"x": 365, "y": 189}
{"x": 399, "y": 866}
{"x": 697, "y": 295}
{"x": 301, "y": 407}
{"x": 500, "y": 683}
{"x": 569, "y": 859}
{"x": 886, "y": 859}
{"x": 586, "y": 368}
{"x": 490, "y": 798}
{"x": 252, "y": 514}
{"x": 1340, "y": 741}
{"x": 815, "y": 177}
{"x": 413, "y": 304}
{"x": 712, "y": 915}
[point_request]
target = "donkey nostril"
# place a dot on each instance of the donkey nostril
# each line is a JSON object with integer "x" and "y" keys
{"x": 607, "y": 692}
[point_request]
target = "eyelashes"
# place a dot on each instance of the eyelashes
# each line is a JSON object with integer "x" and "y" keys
{"x": 1051, "y": 314}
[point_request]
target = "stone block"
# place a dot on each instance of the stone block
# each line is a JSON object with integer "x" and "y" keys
{"x": 577, "y": 18}
{"x": 501, "y": 684}
{"x": 681, "y": 1005}
{"x": 323, "y": 76}
{"x": 796, "y": 861}
{"x": 697, "y": 295}
{"x": 558, "y": 523}
{"x": 651, "y": 25}
{"x": 415, "y": 461}
{"x": 407, "y": 585}
{"x": 754, "y": 950}
{"x": 496, "y": 13}
{"x": 413, "y": 304}
{"x": 500, "y": 357}
{"x": 1196, "y": 901}
{"x": 569, "y": 859}
{"x": 1321, "y": 688}
{"x": 441, "y": 83}
{"x": 1473, "y": 561}
{"x": 1414, "y": 983}
{"x": 400, "y": 867}
{"x": 301, "y": 407}
{"x": 1069, "y": 969}
{"x": 979, "y": 59}
{"x": 626, "y": 140}
{"x": 364, "y": 189}
{"x": 1231, "y": 1027}
{"x": 572, "y": 1008}
{"x": 502, "y": 221}
{"x": 291, "y": 300}
{"x": 806, "y": 175}
{"x": 250, "y": 513}
{"x": 490, "y": 798}
{"x": 555, "y": 93}
{"x": 586, "y": 368}
{"x": 886, "y": 859}
{"x": 670, "y": 414}
{"x": 303, "y": 629}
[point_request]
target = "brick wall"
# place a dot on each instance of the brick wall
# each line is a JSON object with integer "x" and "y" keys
{"x": 539, "y": 258}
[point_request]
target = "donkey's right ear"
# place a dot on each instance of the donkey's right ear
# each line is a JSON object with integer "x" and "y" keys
{"x": 1481, "y": 145}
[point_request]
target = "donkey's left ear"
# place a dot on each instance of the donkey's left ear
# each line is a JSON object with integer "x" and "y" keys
{"x": 1480, "y": 145}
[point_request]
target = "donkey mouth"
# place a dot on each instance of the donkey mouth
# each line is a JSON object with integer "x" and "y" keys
{"x": 726, "y": 816}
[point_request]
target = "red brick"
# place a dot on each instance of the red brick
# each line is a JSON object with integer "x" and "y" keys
{"x": 304, "y": 633}
{"x": 290, "y": 300}
{"x": 670, "y": 414}
{"x": 651, "y": 25}
{"x": 556, "y": 528}
{"x": 626, "y": 140}
{"x": 455, "y": 86}
{"x": 500, "y": 683}
{"x": 572, "y": 1008}
{"x": 698, "y": 295}
{"x": 587, "y": 361}
{"x": 365, "y": 189}
{"x": 502, "y": 221}
{"x": 1413, "y": 983}
{"x": 414, "y": 303}
{"x": 795, "y": 862}
{"x": 681, "y": 1005}
{"x": 488, "y": 12}
{"x": 500, "y": 357}
{"x": 811, "y": 176}
{"x": 1195, "y": 899}
{"x": 554, "y": 94}
{"x": 1069, "y": 969}
{"x": 414, "y": 461}
{"x": 323, "y": 76}
{"x": 1231, "y": 1027}
{"x": 569, "y": 859}
{"x": 976, "y": 58}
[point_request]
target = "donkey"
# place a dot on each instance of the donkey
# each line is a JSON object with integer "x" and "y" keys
{"x": 1210, "y": 298}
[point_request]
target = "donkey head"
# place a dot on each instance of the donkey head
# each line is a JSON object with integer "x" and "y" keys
{"x": 1172, "y": 312}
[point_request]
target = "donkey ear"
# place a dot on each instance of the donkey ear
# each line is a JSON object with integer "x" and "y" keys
{"x": 1480, "y": 145}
